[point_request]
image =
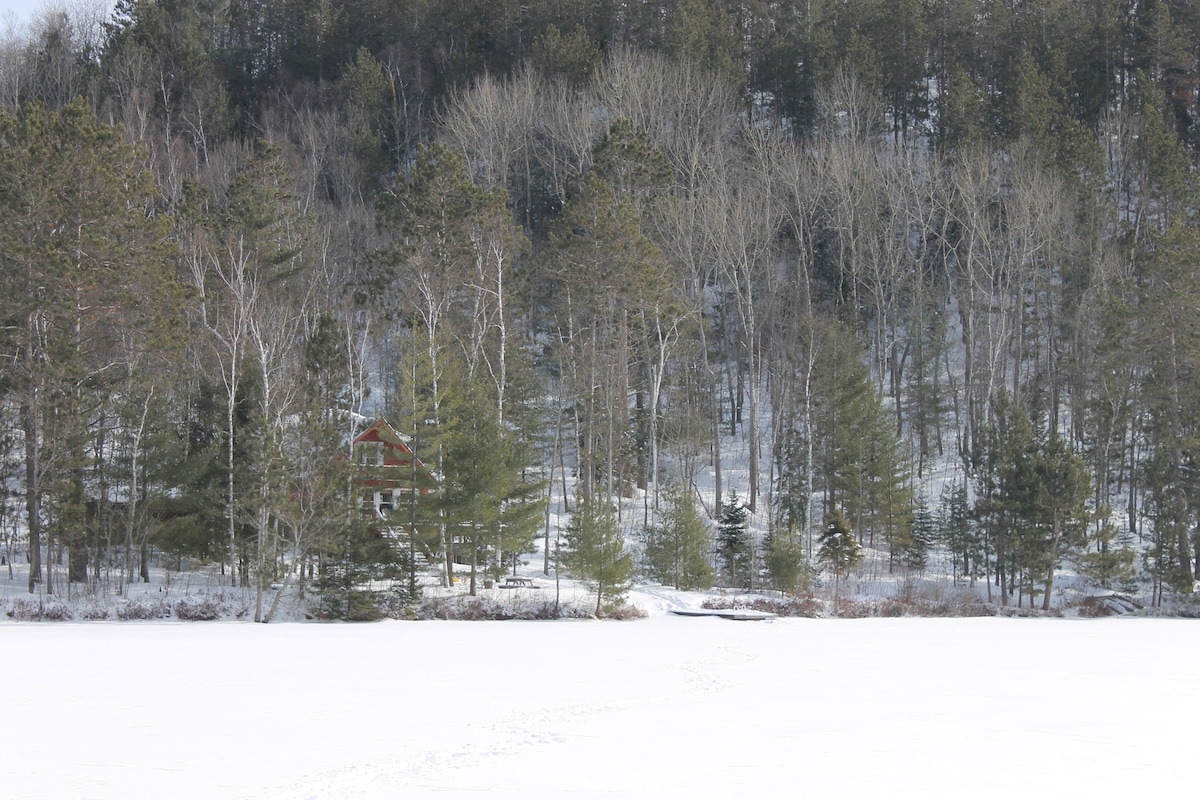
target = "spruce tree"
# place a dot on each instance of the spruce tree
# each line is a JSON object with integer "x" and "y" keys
{"x": 734, "y": 548}
{"x": 922, "y": 537}
{"x": 956, "y": 531}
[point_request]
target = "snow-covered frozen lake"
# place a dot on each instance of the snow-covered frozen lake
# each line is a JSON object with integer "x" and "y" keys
{"x": 664, "y": 707}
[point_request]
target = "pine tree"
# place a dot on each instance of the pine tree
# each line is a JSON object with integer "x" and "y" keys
{"x": 1168, "y": 415}
{"x": 678, "y": 550}
{"x": 570, "y": 56}
{"x": 86, "y": 284}
{"x": 492, "y": 509}
{"x": 962, "y": 112}
{"x": 609, "y": 284}
{"x": 1112, "y": 563}
{"x": 839, "y": 549}
{"x": 735, "y": 550}
{"x": 485, "y": 508}
{"x": 314, "y": 511}
{"x": 1032, "y": 495}
{"x": 355, "y": 558}
{"x": 1063, "y": 488}
{"x": 703, "y": 31}
{"x": 595, "y": 550}
{"x": 417, "y": 411}
{"x": 785, "y": 562}
{"x": 866, "y": 475}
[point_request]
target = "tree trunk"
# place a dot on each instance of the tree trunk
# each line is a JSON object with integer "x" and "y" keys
{"x": 715, "y": 416}
{"x": 33, "y": 492}
{"x": 1050, "y": 570}
{"x": 474, "y": 560}
{"x": 77, "y": 557}
{"x": 550, "y": 491}
{"x": 77, "y": 541}
{"x": 229, "y": 495}
{"x": 144, "y": 559}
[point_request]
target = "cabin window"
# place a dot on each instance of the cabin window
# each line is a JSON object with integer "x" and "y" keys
{"x": 370, "y": 454}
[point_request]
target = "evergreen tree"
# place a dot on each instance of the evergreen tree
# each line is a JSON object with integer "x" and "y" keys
{"x": 595, "y": 550}
{"x": 1168, "y": 330}
{"x": 678, "y": 550}
{"x": 608, "y": 291}
{"x": 443, "y": 274}
{"x": 1112, "y": 564}
{"x": 839, "y": 550}
{"x": 1000, "y": 463}
{"x": 962, "y": 116}
{"x": 1063, "y": 488}
{"x": 1033, "y": 496}
{"x": 416, "y": 413}
{"x": 492, "y": 509}
{"x": 193, "y": 470}
{"x": 924, "y": 535}
{"x": 362, "y": 576}
{"x": 957, "y": 532}
{"x": 704, "y": 32}
{"x": 312, "y": 513}
{"x": 792, "y": 494}
{"x": 785, "y": 562}
{"x": 865, "y": 473}
{"x": 735, "y": 550}
{"x": 86, "y": 285}
{"x": 366, "y": 92}
{"x": 570, "y": 56}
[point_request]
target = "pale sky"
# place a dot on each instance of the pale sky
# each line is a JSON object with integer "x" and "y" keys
{"x": 22, "y": 10}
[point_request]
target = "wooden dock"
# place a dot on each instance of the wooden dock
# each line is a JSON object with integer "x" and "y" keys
{"x": 742, "y": 614}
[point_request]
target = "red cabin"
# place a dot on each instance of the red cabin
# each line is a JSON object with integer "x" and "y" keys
{"x": 388, "y": 469}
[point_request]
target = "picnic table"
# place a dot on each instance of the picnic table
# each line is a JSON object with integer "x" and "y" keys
{"x": 514, "y": 582}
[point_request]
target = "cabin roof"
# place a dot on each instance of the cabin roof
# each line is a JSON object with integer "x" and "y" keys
{"x": 381, "y": 431}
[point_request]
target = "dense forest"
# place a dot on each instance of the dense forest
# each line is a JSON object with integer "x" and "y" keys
{"x": 845, "y": 243}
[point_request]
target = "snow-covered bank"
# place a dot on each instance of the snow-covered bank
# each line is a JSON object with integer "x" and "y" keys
{"x": 664, "y": 707}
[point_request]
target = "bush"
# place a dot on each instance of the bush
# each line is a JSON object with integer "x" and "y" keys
{"x": 197, "y": 609}
{"x": 1025, "y": 611}
{"x": 33, "y": 611}
{"x": 143, "y": 608}
{"x": 784, "y": 607}
{"x": 621, "y": 611}
{"x": 474, "y": 609}
{"x": 481, "y": 609}
{"x": 957, "y": 605}
{"x": 94, "y": 612}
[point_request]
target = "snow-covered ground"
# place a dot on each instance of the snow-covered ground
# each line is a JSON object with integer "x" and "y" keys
{"x": 663, "y": 707}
